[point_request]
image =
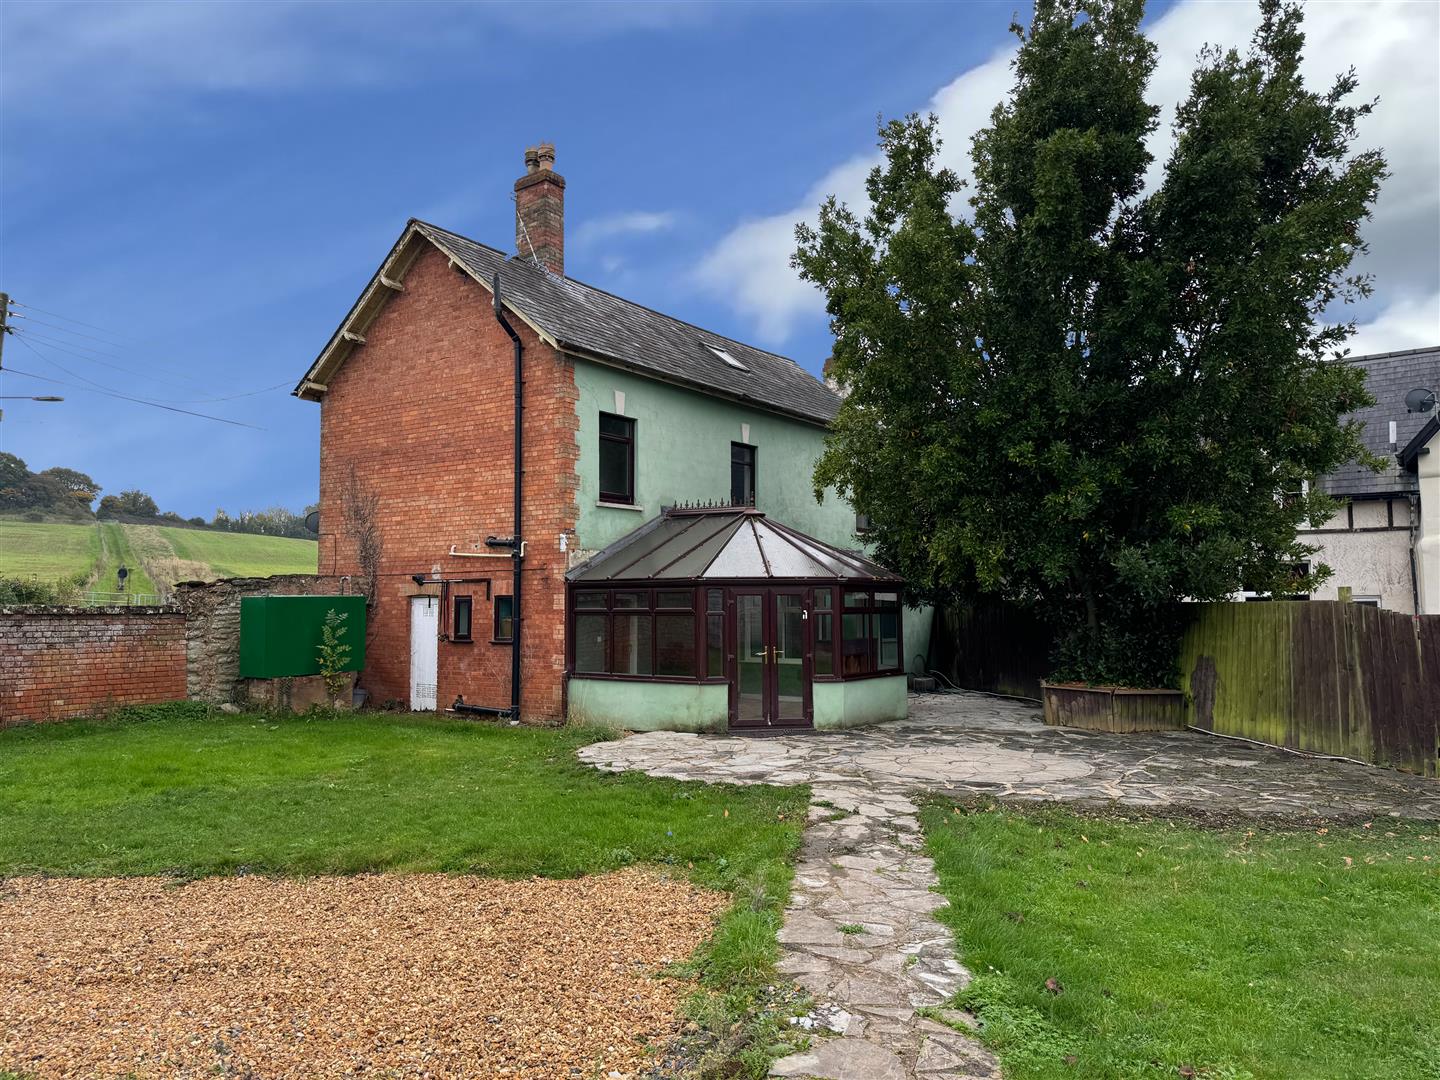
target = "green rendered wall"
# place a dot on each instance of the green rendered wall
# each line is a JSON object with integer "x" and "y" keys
{"x": 863, "y": 701}
{"x": 682, "y": 453}
{"x": 280, "y": 635}
{"x": 650, "y": 706}
{"x": 917, "y": 623}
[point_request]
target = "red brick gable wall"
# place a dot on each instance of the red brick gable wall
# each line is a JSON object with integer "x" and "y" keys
{"x": 62, "y": 662}
{"x": 423, "y": 412}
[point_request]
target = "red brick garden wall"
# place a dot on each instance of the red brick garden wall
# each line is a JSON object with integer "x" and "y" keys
{"x": 62, "y": 662}
{"x": 423, "y": 413}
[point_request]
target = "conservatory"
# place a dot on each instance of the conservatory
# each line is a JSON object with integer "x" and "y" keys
{"x": 716, "y": 619}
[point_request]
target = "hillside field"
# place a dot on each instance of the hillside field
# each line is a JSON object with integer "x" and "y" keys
{"x": 157, "y": 556}
{"x": 49, "y": 552}
{"x": 257, "y": 556}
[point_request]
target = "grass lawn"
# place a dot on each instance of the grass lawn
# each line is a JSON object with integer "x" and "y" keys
{"x": 51, "y": 552}
{"x": 242, "y": 554}
{"x": 1235, "y": 953}
{"x": 180, "y": 790}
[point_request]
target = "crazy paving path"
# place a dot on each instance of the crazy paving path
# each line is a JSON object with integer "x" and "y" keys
{"x": 859, "y": 932}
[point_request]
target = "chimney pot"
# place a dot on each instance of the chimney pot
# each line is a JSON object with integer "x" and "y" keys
{"x": 540, "y": 210}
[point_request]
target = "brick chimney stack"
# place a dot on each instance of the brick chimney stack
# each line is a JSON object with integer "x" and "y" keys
{"x": 540, "y": 210}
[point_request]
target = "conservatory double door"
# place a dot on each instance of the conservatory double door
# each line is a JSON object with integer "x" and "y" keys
{"x": 770, "y": 680}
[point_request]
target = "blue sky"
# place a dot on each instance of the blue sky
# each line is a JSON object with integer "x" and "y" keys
{"x": 210, "y": 185}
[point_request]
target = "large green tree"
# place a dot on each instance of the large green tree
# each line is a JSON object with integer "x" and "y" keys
{"x": 76, "y": 485}
{"x": 132, "y": 503}
{"x": 1083, "y": 396}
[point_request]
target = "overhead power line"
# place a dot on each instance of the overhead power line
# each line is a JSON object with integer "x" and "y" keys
{"x": 66, "y": 329}
{"x": 50, "y": 343}
{"x": 79, "y": 351}
{"x": 57, "y": 315}
{"x": 129, "y": 348}
{"x": 114, "y": 393}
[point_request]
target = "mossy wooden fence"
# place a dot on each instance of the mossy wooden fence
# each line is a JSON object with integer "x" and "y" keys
{"x": 1322, "y": 676}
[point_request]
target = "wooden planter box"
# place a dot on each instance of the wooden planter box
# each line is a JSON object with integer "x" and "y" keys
{"x": 1112, "y": 708}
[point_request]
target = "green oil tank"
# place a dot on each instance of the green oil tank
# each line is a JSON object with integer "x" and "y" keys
{"x": 280, "y": 635}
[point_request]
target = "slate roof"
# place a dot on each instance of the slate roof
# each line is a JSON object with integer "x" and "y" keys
{"x": 584, "y": 319}
{"x": 1390, "y": 376}
{"x": 723, "y": 544}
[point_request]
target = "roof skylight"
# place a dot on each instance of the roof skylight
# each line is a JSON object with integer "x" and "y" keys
{"x": 723, "y": 355}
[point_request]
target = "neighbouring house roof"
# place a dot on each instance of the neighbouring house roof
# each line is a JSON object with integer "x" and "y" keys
{"x": 723, "y": 544}
{"x": 589, "y": 322}
{"x": 1390, "y": 376}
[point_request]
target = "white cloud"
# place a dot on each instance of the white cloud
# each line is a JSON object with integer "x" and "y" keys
{"x": 109, "y": 55}
{"x": 1392, "y": 47}
{"x": 630, "y": 223}
{"x": 98, "y": 50}
{"x": 1410, "y": 323}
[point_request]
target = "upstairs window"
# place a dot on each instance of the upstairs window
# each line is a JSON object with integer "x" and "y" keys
{"x": 617, "y": 459}
{"x": 742, "y": 474}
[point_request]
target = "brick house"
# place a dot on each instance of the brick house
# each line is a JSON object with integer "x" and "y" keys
{"x": 636, "y": 432}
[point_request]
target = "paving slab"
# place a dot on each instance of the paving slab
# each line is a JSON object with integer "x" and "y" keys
{"x": 862, "y": 864}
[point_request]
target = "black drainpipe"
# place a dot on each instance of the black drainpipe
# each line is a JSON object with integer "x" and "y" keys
{"x": 516, "y": 541}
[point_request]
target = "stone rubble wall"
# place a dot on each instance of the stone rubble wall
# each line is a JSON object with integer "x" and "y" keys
{"x": 212, "y": 627}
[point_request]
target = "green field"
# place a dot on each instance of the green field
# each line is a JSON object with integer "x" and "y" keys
{"x": 241, "y": 554}
{"x": 157, "y": 556}
{"x": 49, "y": 552}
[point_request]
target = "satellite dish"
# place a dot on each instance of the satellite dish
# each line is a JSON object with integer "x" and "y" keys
{"x": 312, "y": 522}
{"x": 1420, "y": 400}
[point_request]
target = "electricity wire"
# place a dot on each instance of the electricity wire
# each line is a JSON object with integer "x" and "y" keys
{"x": 71, "y": 347}
{"x": 50, "y": 343}
{"x": 116, "y": 394}
{"x": 57, "y": 315}
{"x": 64, "y": 345}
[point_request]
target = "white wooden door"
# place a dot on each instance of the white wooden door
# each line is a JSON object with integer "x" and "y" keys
{"x": 424, "y": 634}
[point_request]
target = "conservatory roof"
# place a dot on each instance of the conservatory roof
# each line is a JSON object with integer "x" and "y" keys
{"x": 729, "y": 543}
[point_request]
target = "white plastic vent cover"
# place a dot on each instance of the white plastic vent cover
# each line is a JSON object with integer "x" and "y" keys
{"x": 723, "y": 355}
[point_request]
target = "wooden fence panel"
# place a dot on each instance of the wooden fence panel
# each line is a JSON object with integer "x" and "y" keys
{"x": 1323, "y": 676}
{"x": 995, "y": 646}
{"x": 1429, "y": 695}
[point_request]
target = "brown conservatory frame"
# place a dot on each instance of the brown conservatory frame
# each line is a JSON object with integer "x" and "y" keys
{"x": 881, "y": 608}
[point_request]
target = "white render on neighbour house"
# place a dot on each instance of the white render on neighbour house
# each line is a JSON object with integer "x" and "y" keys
{"x": 1384, "y": 544}
{"x": 1427, "y": 547}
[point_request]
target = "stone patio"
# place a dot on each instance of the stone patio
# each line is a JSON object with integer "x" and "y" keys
{"x": 859, "y": 933}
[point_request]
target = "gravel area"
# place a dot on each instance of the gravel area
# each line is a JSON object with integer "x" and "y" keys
{"x": 386, "y": 975}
